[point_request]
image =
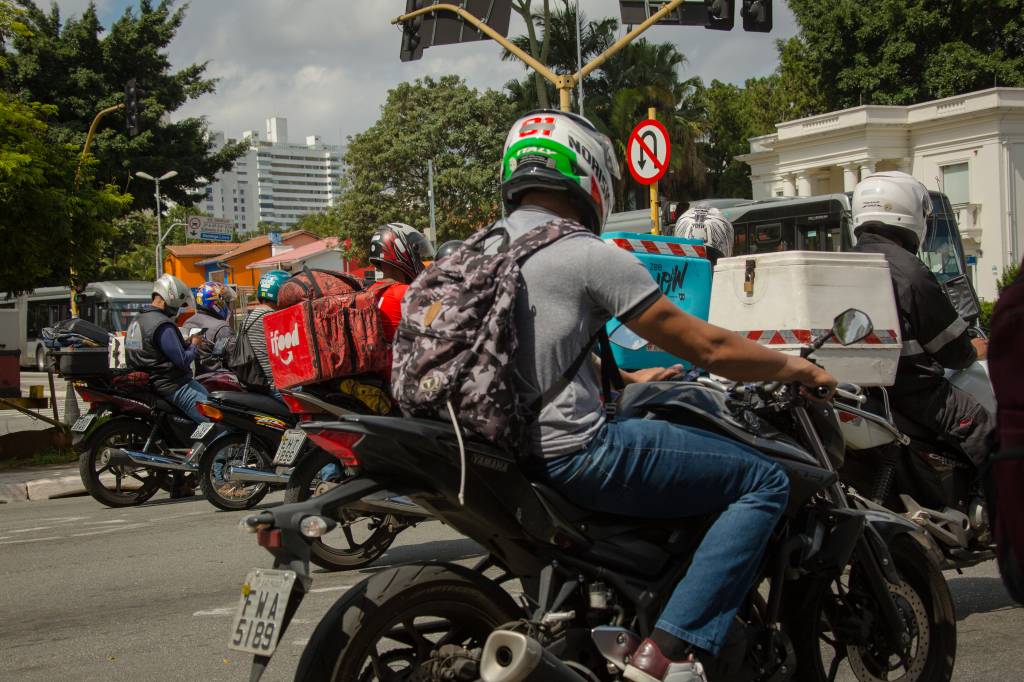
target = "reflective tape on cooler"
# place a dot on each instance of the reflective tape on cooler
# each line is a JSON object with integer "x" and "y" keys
{"x": 789, "y": 337}
{"x": 660, "y": 248}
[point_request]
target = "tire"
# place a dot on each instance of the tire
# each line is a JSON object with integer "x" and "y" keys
{"x": 359, "y": 553}
{"x": 228, "y": 495}
{"x": 924, "y": 599}
{"x": 40, "y": 359}
{"x": 338, "y": 649}
{"x": 92, "y": 463}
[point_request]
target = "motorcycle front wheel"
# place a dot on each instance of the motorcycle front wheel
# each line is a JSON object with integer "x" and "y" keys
{"x": 232, "y": 450}
{"x": 389, "y": 626}
{"x": 830, "y": 627}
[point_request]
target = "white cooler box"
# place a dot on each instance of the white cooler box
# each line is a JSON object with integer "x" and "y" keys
{"x": 783, "y": 300}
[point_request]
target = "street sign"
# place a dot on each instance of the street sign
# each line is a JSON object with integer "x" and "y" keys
{"x": 209, "y": 229}
{"x": 648, "y": 152}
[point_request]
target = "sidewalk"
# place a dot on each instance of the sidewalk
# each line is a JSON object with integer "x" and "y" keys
{"x": 12, "y": 421}
{"x": 40, "y": 483}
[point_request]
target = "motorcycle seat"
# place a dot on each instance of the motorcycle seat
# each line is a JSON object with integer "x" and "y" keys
{"x": 257, "y": 402}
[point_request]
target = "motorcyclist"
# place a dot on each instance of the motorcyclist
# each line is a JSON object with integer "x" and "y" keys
{"x": 448, "y": 248}
{"x": 213, "y": 306}
{"x": 153, "y": 344}
{"x": 252, "y": 324}
{"x": 558, "y": 166}
{"x": 398, "y": 250}
{"x": 710, "y": 226}
{"x": 890, "y": 215}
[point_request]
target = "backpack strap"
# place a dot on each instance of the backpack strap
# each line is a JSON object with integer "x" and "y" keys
{"x": 542, "y": 236}
{"x": 610, "y": 376}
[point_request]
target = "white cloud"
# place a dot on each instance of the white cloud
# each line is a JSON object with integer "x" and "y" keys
{"x": 327, "y": 65}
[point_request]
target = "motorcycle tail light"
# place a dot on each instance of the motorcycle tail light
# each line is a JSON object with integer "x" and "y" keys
{"x": 297, "y": 407}
{"x": 339, "y": 444}
{"x": 269, "y": 538}
{"x": 91, "y": 396}
{"x": 210, "y": 412}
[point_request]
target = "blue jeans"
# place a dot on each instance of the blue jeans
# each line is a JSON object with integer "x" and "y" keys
{"x": 658, "y": 470}
{"x": 186, "y": 397}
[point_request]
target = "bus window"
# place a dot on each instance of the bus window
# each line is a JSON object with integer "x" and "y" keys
{"x": 768, "y": 237}
{"x": 38, "y": 317}
{"x": 120, "y": 314}
{"x": 821, "y": 238}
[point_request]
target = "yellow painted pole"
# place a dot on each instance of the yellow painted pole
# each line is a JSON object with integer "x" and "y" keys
{"x": 652, "y": 113}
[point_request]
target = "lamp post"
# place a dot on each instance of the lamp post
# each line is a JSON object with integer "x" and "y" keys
{"x": 159, "y": 232}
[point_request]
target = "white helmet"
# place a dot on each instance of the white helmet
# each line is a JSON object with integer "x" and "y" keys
{"x": 560, "y": 151}
{"x": 172, "y": 290}
{"x": 709, "y": 225}
{"x": 894, "y": 199}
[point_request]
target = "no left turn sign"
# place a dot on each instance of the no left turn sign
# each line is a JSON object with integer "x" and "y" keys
{"x": 648, "y": 152}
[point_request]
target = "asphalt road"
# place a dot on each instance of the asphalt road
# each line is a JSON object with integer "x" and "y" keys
{"x": 89, "y": 593}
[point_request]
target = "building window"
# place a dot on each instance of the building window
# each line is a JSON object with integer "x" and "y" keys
{"x": 956, "y": 183}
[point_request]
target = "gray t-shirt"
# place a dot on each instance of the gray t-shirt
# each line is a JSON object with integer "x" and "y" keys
{"x": 573, "y": 287}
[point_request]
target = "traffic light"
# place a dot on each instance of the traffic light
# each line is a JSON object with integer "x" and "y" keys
{"x": 442, "y": 27}
{"x": 757, "y": 15}
{"x": 411, "y": 37}
{"x": 132, "y": 96}
{"x": 721, "y": 14}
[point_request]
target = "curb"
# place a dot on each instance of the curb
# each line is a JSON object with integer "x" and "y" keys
{"x": 42, "y": 489}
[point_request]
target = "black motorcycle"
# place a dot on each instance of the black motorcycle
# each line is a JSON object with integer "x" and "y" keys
{"x": 838, "y": 585}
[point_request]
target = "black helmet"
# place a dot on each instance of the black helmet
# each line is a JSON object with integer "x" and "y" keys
{"x": 448, "y": 248}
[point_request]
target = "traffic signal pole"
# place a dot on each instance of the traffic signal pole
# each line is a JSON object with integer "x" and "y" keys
{"x": 564, "y": 83}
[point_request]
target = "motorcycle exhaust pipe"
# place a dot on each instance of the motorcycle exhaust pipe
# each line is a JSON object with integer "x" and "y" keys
{"x": 122, "y": 457}
{"x": 248, "y": 475}
{"x": 513, "y": 657}
{"x": 387, "y": 503}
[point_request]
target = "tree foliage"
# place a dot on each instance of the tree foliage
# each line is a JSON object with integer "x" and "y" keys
{"x": 385, "y": 179}
{"x": 48, "y": 225}
{"x": 80, "y": 68}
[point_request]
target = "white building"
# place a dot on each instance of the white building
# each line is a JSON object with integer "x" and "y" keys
{"x": 971, "y": 147}
{"x": 274, "y": 182}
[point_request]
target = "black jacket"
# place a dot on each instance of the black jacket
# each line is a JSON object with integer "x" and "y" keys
{"x": 935, "y": 337}
{"x": 143, "y": 352}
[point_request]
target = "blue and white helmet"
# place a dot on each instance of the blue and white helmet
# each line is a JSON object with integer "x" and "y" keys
{"x": 709, "y": 225}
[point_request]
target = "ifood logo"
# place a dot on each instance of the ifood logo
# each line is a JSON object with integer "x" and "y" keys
{"x": 279, "y": 343}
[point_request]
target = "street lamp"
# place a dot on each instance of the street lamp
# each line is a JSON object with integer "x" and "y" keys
{"x": 159, "y": 233}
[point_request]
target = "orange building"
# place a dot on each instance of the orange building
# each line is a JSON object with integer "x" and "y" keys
{"x": 182, "y": 260}
{"x": 230, "y": 266}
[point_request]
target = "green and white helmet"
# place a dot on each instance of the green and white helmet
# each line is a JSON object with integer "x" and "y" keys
{"x": 555, "y": 150}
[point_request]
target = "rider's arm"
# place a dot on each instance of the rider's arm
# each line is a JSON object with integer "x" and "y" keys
{"x": 940, "y": 331}
{"x": 168, "y": 338}
{"x": 721, "y": 351}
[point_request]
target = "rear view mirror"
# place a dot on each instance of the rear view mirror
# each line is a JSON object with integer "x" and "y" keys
{"x": 851, "y": 326}
{"x": 623, "y": 336}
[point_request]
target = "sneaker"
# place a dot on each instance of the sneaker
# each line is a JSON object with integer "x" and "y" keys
{"x": 648, "y": 664}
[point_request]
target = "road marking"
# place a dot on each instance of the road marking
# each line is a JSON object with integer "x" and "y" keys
{"x": 178, "y": 516}
{"x": 224, "y": 611}
{"x": 104, "y": 531}
{"x": 27, "y": 540}
{"x": 30, "y": 530}
{"x": 300, "y": 642}
{"x": 104, "y": 523}
{"x": 337, "y": 588}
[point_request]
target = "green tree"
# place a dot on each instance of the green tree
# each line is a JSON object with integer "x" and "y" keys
{"x": 385, "y": 179}
{"x": 48, "y": 226}
{"x": 904, "y": 51}
{"x": 81, "y": 68}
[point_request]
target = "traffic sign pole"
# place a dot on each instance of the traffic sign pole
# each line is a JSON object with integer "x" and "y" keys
{"x": 652, "y": 114}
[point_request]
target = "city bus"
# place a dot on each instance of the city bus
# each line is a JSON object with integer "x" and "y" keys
{"x": 110, "y": 305}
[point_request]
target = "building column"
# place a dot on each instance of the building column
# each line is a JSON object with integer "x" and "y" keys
{"x": 849, "y": 177}
{"x": 867, "y": 168}
{"x": 803, "y": 185}
{"x": 906, "y": 165}
{"x": 788, "y": 186}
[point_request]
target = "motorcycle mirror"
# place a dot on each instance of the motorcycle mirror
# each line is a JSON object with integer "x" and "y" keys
{"x": 851, "y": 326}
{"x": 624, "y": 336}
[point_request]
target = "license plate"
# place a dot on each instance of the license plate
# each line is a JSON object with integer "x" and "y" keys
{"x": 257, "y": 624}
{"x": 81, "y": 424}
{"x": 291, "y": 444}
{"x": 202, "y": 430}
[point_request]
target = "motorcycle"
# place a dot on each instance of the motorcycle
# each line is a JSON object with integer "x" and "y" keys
{"x": 839, "y": 584}
{"x": 127, "y": 431}
{"x": 901, "y": 466}
{"x": 363, "y": 535}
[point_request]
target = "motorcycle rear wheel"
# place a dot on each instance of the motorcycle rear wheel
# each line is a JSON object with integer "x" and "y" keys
{"x": 131, "y": 485}
{"x": 231, "y": 451}
{"x": 359, "y": 551}
{"x": 923, "y": 599}
{"x": 386, "y": 627}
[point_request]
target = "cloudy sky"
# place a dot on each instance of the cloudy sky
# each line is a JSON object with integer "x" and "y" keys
{"x": 327, "y": 65}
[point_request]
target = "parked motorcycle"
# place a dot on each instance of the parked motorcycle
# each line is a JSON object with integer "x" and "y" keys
{"x": 843, "y": 584}
{"x": 126, "y": 416}
{"x": 903, "y": 467}
{"x": 362, "y": 535}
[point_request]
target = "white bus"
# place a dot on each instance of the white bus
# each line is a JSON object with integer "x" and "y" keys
{"x": 110, "y": 305}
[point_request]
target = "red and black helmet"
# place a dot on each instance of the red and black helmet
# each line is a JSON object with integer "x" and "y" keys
{"x": 401, "y": 246}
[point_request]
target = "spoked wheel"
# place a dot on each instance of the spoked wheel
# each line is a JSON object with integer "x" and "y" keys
{"x": 360, "y": 539}
{"x": 838, "y": 626}
{"x": 388, "y": 628}
{"x": 118, "y": 485}
{"x": 233, "y": 451}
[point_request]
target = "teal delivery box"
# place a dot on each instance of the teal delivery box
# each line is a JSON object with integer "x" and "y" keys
{"x": 682, "y": 270}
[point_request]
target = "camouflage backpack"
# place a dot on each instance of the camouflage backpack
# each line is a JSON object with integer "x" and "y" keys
{"x": 455, "y": 348}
